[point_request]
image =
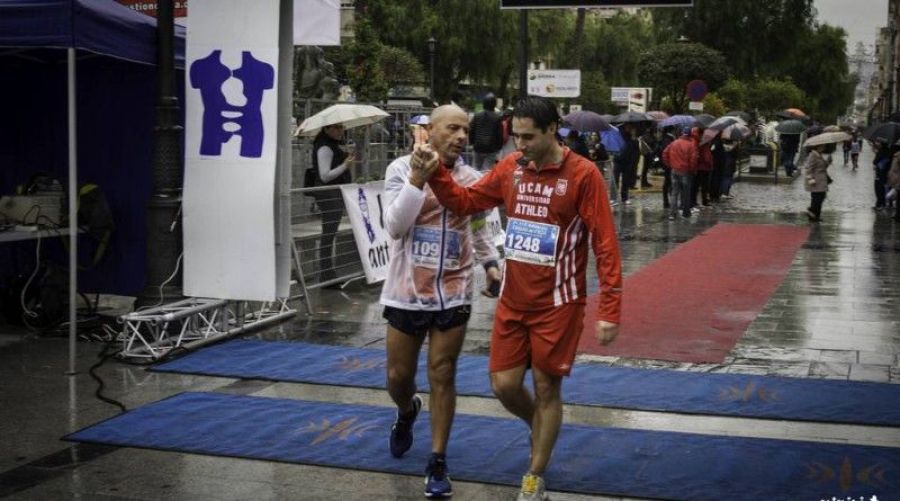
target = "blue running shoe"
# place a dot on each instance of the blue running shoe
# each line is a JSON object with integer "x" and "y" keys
{"x": 401, "y": 432}
{"x": 437, "y": 481}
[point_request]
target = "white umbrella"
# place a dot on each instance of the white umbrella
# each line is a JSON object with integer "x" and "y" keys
{"x": 348, "y": 115}
{"x": 826, "y": 138}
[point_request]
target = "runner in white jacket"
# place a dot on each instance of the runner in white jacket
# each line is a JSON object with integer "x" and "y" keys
{"x": 429, "y": 289}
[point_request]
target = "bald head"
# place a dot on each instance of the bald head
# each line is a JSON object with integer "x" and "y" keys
{"x": 448, "y": 132}
{"x": 446, "y": 111}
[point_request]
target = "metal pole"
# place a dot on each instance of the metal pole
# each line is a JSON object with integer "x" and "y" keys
{"x": 523, "y": 53}
{"x": 73, "y": 212}
{"x": 285, "y": 162}
{"x": 163, "y": 232}
{"x": 431, "y": 47}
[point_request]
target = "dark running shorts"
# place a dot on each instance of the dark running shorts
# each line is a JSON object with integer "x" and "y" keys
{"x": 418, "y": 323}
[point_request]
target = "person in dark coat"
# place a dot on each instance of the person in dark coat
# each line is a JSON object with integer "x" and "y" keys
{"x": 789, "y": 145}
{"x": 576, "y": 143}
{"x": 625, "y": 163}
{"x": 667, "y": 138}
{"x": 330, "y": 167}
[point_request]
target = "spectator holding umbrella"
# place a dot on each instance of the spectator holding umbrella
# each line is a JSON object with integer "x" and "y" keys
{"x": 668, "y": 137}
{"x": 882, "y": 164}
{"x": 704, "y": 171}
{"x": 816, "y": 169}
{"x": 682, "y": 157}
{"x": 625, "y": 163}
{"x": 894, "y": 184}
{"x": 789, "y": 132}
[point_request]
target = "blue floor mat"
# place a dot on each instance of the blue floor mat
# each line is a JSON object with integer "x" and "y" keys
{"x": 617, "y": 387}
{"x": 590, "y": 460}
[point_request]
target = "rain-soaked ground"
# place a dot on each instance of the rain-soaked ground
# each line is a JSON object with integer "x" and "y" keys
{"x": 835, "y": 316}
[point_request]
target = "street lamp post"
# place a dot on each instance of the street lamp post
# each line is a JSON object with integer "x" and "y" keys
{"x": 163, "y": 233}
{"x": 431, "y": 43}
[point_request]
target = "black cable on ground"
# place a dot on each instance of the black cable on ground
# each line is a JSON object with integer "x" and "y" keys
{"x": 106, "y": 354}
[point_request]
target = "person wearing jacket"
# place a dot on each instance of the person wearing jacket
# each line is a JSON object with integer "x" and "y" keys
{"x": 668, "y": 137}
{"x": 893, "y": 181}
{"x": 557, "y": 208}
{"x": 704, "y": 170}
{"x": 682, "y": 157}
{"x": 625, "y": 162}
{"x": 486, "y": 134}
{"x": 330, "y": 167}
{"x": 882, "y": 164}
{"x": 816, "y": 180}
{"x": 428, "y": 289}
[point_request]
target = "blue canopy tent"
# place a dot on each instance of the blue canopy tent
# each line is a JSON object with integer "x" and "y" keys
{"x": 96, "y": 128}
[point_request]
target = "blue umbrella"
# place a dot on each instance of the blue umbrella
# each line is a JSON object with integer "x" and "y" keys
{"x": 678, "y": 121}
{"x": 419, "y": 120}
{"x": 612, "y": 139}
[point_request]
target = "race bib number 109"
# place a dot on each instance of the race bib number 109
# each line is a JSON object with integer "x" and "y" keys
{"x": 531, "y": 242}
{"x": 426, "y": 248}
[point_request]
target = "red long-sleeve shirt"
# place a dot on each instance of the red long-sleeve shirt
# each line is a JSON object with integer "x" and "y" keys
{"x": 552, "y": 213}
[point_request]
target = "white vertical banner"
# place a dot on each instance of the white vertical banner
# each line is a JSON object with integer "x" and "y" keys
{"x": 230, "y": 149}
{"x": 317, "y": 22}
{"x": 364, "y": 204}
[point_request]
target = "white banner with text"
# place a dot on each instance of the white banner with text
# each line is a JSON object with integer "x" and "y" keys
{"x": 230, "y": 149}
{"x": 364, "y": 209}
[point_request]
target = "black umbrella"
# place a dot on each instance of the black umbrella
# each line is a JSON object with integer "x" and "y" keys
{"x": 888, "y": 132}
{"x": 787, "y": 115}
{"x": 704, "y": 119}
{"x": 586, "y": 121}
{"x": 791, "y": 127}
{"x": 743, "y": 115}
{"x": 632, "y": 117}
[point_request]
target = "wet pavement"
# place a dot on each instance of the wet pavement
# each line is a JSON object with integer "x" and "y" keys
{"x": 835, "y": 316}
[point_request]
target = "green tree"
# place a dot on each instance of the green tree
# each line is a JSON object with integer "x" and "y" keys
{"x": 401, "y": 65}
{"x": 735, "y": 94}
{"x": 821, "y": 70}
{"x": 595, "y": 93}
{"x": 771, "y": 96}
{"x": 714, "y": 105}
{"x": 769, "y": 39}
{"x": 475, "y": 40}
{"x": 756, "y": 37}
{"x": 614, "y": 46}
{"x": 669, "y": 67}
{"x": 366, "y": 75}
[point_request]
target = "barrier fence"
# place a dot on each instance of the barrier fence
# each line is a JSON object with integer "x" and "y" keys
{"x": 324, "y": 251}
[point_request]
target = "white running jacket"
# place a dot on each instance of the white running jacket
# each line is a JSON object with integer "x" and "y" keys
{"x": 432, "y": 250}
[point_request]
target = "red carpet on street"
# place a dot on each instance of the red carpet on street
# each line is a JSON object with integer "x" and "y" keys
{"x": 694, "y": 303}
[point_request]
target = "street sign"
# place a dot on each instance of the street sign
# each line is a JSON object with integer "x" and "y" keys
{"x": 555, "y": 4}
{"x": 635, "y": 98}
{"x": 697, "y": 90}
{"x": 695, "y": 106}
{"x": 554, "y": 83}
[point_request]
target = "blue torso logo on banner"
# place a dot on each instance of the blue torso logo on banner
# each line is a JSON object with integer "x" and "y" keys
{"x": 208, "y": 75}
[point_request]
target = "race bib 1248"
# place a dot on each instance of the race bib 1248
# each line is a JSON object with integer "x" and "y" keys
{"x": 531, "y": 242}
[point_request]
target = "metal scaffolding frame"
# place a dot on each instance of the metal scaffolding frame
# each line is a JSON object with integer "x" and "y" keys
{"x": 193, "y": 322}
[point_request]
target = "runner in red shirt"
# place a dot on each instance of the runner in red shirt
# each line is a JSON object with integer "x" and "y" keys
{"x": 556, "y": 205}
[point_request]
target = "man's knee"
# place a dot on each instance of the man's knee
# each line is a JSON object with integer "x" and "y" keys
{"x": 399, "y": 376}
{"x": 547, "y": 388}
{"x": 442, "y": 372}
{"x": 505, "y": 388}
